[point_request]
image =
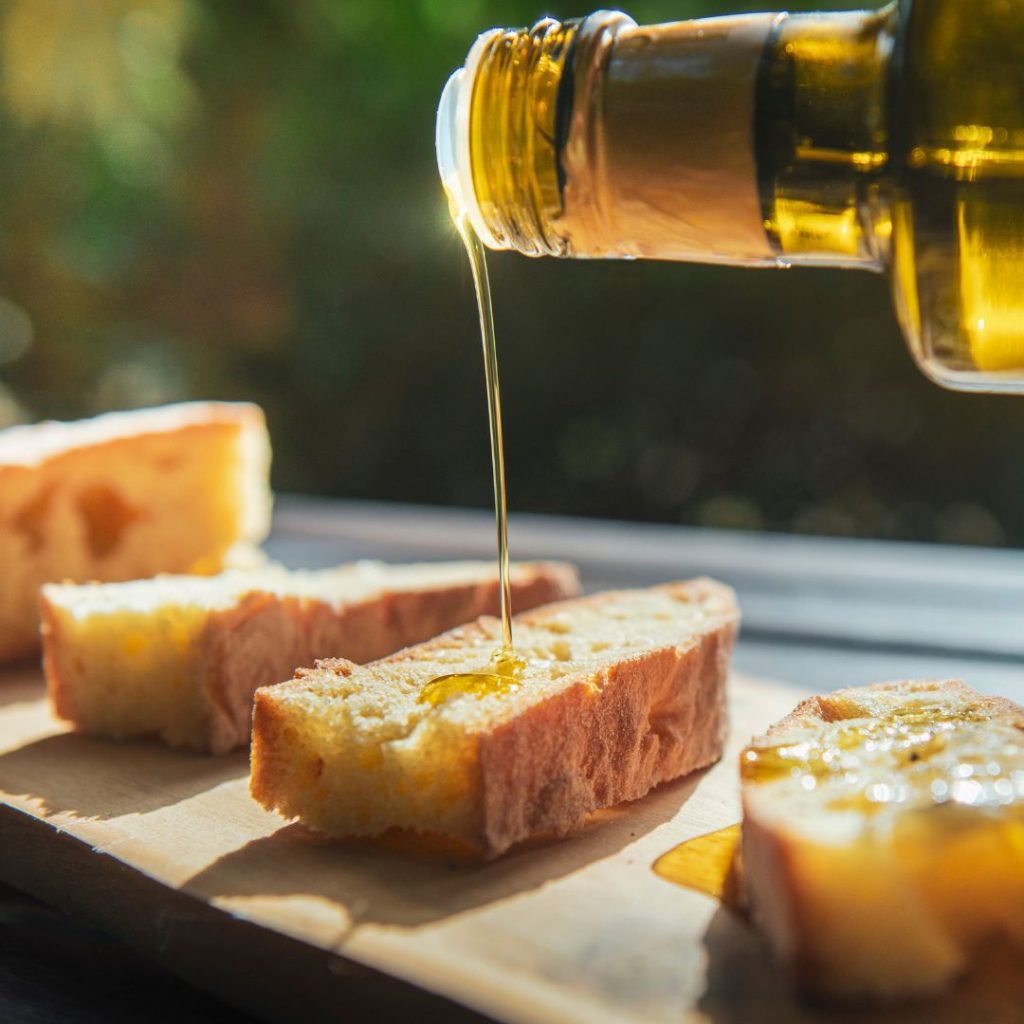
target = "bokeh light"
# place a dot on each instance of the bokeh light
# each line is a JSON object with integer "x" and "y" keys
{"x": 203, "y": 199}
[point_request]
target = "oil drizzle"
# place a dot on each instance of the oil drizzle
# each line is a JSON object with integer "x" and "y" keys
{"x": 506, "y": 666}
{"x": 504, "y": 677}
{"x": 705, "y": 864}
{"x": 482, "y": 284}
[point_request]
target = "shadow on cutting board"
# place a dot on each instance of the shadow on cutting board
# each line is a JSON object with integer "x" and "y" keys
{"x": 89, "y": 778}
{"x": 382, "y": 886}
{"x": 993, "y": 994}
{"x": 20, "y": 683}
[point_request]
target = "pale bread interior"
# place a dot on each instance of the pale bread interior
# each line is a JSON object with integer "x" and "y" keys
{"x": 134, "y": 647}
{"x": 901, "y": 821}
{"x": 182, "y": 489}
{"x": 358, "y": 752}
{"x": 347, "y": 584}
{"x": 888, "y": 755}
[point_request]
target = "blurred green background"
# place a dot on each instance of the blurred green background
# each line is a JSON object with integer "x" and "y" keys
{"x": 239, "y": 200}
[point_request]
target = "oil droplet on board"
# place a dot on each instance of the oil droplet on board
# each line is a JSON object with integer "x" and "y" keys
{"x": 705, "y": 864}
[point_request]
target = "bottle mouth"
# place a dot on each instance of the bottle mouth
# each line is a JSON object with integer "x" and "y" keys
{"x": 452, "y": 141}
{"x": 503, "y": 121}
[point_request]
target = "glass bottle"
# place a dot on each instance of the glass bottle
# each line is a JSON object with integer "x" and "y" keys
{"x": 888, "y": 140}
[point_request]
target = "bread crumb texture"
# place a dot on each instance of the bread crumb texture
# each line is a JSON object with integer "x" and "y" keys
{"x": 180, "y": 656}
{"x": 620, "y": 691}
{"x": 883, "y": 835}
{"x": 176, "y": 489}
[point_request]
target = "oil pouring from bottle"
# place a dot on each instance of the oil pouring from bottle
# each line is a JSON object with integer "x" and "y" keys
{"x": 506, "y": 666}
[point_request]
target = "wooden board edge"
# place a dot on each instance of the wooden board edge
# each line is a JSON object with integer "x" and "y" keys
{"x": 275, "y": 977}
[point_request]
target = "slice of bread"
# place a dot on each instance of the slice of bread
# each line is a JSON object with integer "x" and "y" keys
{"x": 125, "y": 495}
{"x": 621, "y": 691}
{"x": 883, "y": 835}
{"x": 180, "y": 656}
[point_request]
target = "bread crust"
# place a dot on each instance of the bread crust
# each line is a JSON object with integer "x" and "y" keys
{"x": 61, "y": 694}
{"x": 658, "y": 717}
{"x": 825, "y": 707}
{"x": 608, "y": 738}
{"x": 261, "y": 639}
{"x": 37, "y": 444}
{"x": 773, "y": 882}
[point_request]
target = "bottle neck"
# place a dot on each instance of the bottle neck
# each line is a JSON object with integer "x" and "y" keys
{"x": 752, "y": 139}
{"x": 659, "y": 157}
{"x": 823, "y": 139}
{"x": 500, "y": 134}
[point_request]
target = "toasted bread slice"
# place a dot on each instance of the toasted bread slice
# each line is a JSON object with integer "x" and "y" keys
{"x": 177, "y": 489}
{"x": 621, "y": 691}
{"x": 180, "y": 656}
{"x": 883, "y": 835}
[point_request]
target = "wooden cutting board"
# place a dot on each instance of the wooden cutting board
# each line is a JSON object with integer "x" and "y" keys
{"x": 167, "y": 850}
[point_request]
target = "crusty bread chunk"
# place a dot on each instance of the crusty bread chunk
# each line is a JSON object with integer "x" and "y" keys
{"x": 620, "y": 691}
{"x": 180, "y": 656}
{"x": 175, "y": 489}
{"x": 883, "y": 835}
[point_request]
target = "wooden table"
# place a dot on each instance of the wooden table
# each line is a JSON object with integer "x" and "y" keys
{"x": 818, "y": 613}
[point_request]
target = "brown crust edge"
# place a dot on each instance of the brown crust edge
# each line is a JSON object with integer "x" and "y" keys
{"x": 59, "y": 692}
{"x": 61, "y": 439}
{"x": 820, "y": 706}
{"x": 654, "y": 718}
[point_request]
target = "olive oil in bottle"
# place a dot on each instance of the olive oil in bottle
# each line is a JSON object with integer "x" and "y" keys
{"x": 889, "y": 140}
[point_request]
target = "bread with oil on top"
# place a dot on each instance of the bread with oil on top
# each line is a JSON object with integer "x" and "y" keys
{"x": 179, "y": 657}
{"x": 883, "y": 836}
{"x": 621, "y": 691}
{"x": 182, "y": 488}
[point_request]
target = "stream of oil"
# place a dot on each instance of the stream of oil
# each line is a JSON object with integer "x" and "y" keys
{"x": 506, "y": 666}
{"x": 706, "y": 864}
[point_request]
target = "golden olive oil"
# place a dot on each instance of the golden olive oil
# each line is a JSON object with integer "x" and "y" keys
{"x": 506, "y": 666}
{"x": 888, "y": 140}
{"x": 504, "y": 677}
{"x": 482, "y": 285}
{"x": 705, "y": 864}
